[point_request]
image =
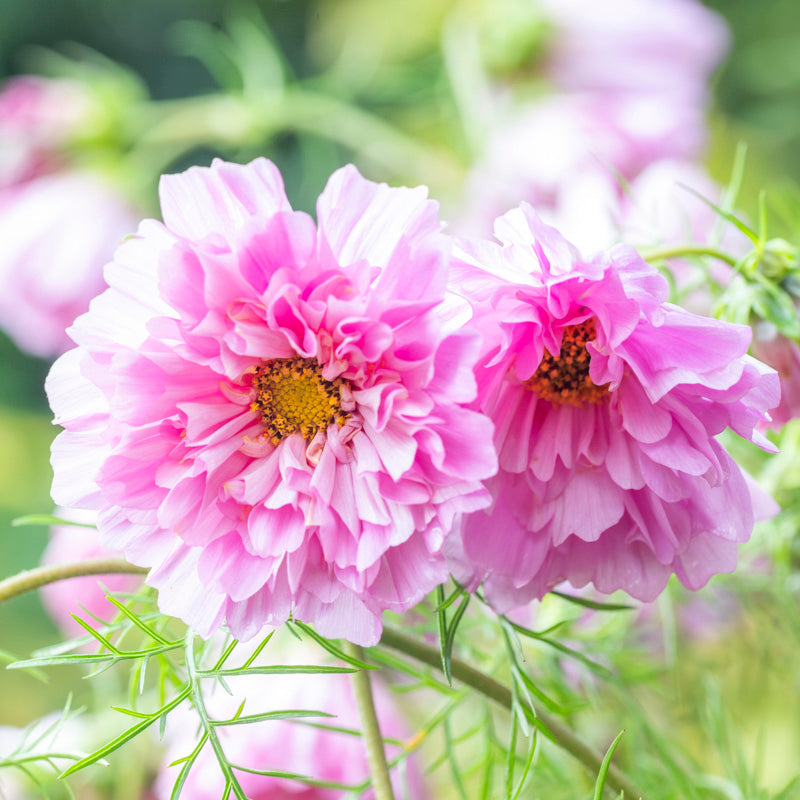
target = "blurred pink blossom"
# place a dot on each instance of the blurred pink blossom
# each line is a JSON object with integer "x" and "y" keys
{"x": 288, "y": 745}
{"x": 654, "y": 47}
{"x": 57, "y": 231}
{"x": 38, "y": 117}
{"x": 58, "y": 225}
{"x": 62, "y": 599}
{"x": 782, "y": 354}
{"x": 628, "y": 86}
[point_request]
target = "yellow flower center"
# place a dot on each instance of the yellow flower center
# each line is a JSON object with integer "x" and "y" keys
{"x": 564, "y": 379}
{"x": 292, "y": 396}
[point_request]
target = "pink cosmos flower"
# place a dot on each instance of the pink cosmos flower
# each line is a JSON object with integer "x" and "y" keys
{"x": 57, "y": 231}
{"x": 269, "y": 413}
{"x": 606, "y": 402}
{"x": 62, "y": 599}
{"x": 38, "y": 116}
{"x": 784, "y": 355}
{"x": 288, "y": 745}
{"x": 666, "y": 47}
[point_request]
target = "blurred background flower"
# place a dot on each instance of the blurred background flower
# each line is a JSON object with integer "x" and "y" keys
{"x": 598, "y": 113}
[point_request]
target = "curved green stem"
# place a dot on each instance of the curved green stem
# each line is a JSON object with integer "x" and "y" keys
{"x": 494, "y": 690}
{"x": 32, "y": 579}
{"x": 683, "y": 250}
{"x": 376, "y": 755}
{"x": 174, "y": 126}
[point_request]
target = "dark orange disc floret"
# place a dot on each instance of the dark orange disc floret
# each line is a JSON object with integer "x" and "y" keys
{"x": 293, "y": 397}
{"x": 564, "y": 379}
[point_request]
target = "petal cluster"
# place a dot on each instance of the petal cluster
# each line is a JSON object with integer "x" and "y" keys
{"x": 166, "y": 403}
{"x": 623, "y": 485}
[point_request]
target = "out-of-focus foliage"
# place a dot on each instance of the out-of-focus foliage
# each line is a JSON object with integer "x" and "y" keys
{"x": 705, "y": 683}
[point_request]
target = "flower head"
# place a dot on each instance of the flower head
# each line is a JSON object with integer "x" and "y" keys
{"x": 269, "y": 412}
{"x": 606, "y": 402}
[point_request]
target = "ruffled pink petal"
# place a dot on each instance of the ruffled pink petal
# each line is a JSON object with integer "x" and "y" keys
{"x": 220, "y": 199}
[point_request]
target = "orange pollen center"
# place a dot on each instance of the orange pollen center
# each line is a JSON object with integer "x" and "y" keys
{"x": 292, "y": 396}
{"x": 564, "y": 379}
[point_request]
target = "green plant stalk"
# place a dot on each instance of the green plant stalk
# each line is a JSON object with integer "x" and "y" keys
{"x": 501, "y": 695}
{"x": 376, "y": 755}
{"x": 197, "y": 698}
{"x": 35, "y": 578}
{"x": 683, "y": 250}
{"x": 234, "y": 120}
{"x": 32, "y": 579}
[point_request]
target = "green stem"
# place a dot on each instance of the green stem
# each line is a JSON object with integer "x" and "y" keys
{"x": 501, "y": 695}
{"x": 376, "y": 755}
{"x": 32, "y": 579}
{"x": 683, "y": 250}
{"x": 175, "y": 126}
{"x": 231, "y": 781}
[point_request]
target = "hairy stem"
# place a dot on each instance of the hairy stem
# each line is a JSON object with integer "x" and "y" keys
{"x": 683, "y": 250}
{"x": 489, "y": 687}
{"x": 32, "y": 579}
{"x": 376, "y": 755}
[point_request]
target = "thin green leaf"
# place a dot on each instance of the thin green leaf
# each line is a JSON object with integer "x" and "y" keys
{"x": 331, "y": 648}
{"x": 441, "y": 628}
{"x": 387, "y": 659}
{"x": 445, "y": 603}
{"x": 72, "y": 644}
{"x": 511, "y": 759}
{"x": 450, "y": 638}
{"x": 598, "y": 669}
{"x": 140, "y": 624}
{"x": 142, "y": 670}
{"x": 600, "y": 783}
{"x": 96, "y": 634}
{"x": 297, "y": 669}
{"x": 585, "y": 603}
{"x": 296, "y": 776}
{"x": 10, "y": 658}
{"x": 131, "y": 712}
{"x": 47, "y": 519}
{"x": 269, "y": 715}
{"x": 127, "y": 735}
{"x": 225, "y": 655}
{"x": 89, "y": 658}
{"x": 519, "y": 674}
{"x": 186, "y": 768}
{"x": 735, "y": 221}
{"x": 387, "y": 740}
{"x": 532, "y": 750}
{"x": 261, "y": 645}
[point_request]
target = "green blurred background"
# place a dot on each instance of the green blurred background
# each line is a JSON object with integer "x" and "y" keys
{"x": 757, "y": 99}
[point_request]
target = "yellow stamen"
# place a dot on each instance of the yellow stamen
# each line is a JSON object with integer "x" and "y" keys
{"x": 564, "y": 379}
{"x": 293, "y": 397}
